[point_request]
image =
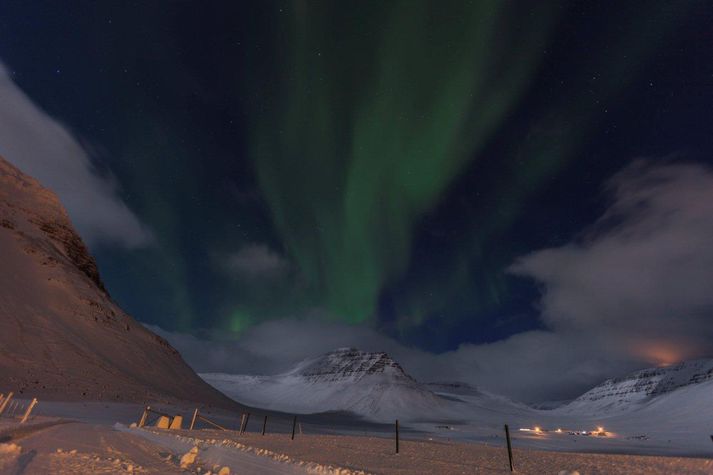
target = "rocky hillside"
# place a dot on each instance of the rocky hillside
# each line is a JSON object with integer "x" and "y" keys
{"x": 350, "y": 364}
{"x": 642, "y": 386}
{"x": 61, "y": 335}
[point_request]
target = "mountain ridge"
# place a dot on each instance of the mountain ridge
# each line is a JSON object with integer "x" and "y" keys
{"x": 61, "y": 335}
{"x": 642, "y": 386}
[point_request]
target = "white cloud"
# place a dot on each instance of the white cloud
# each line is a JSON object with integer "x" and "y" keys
{"x": 275, "y": 346}
{"x": 44, "y": 148}
{"x": 642, "y": 277}
{"x": 256, "y": 261}
{"x": 636, "y": 288}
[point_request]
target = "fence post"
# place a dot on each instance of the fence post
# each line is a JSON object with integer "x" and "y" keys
{"x": 264, "y": 425}
{"x": 507, "y": 436}
{"x": 193, "y": 421}
{"x": 5, "y": 402}
{"x": 294, "y": 424}
{"x": 142, "y": 421}
{"x": 29, "y": 410}
{"x": 397, "y": 436}
{"x": 245, "y": 425}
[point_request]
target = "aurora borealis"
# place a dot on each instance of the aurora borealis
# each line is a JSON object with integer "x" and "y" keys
{"x": 381, "y": 164}
{"x": 350, "y": 154}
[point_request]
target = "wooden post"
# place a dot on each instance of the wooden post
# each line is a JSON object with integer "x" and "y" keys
{"x": 193, "y": 421}
{"x": 264, "y": 425}
{"x": 300, "y": 426}
{"x": 294, "y": 424}
{"x": 507, "y": 436}
{"x": 142, "y": 421}
{"x": 29, "y": 410}
{"x": 5, "y": 402}
{"x": 397, "y": 436}
{"x": 242, "y": 423}
{"x": 245, "y": 425}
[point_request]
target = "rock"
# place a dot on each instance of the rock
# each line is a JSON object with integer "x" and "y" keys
{"x": 224, "y": 471}
{"x": 189, "y": 458}
{"x": 10, "y": 449}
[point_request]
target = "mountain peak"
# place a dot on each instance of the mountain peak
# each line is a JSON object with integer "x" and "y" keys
{"x": 350, "y": 364}
{"x": 370, "y": 384}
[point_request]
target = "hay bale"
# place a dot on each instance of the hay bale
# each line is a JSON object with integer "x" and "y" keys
{"x": 176, "y": 423}
{"x": 162, "y": 422}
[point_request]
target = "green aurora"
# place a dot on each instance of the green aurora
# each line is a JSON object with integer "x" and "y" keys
{"x": 341, "y": 136}
{"x": 372, "y": 118}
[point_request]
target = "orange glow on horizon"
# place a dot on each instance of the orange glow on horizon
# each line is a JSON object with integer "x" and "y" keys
{"x": 660, "y": 353}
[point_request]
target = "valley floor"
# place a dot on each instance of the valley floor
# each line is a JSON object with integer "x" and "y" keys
{"x": 421, "y": 457}
{"x": 95, "y": 443}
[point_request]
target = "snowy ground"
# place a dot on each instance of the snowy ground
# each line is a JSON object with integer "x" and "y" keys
{"x": 676, "y": 423}
{"x": 99, "y": 440}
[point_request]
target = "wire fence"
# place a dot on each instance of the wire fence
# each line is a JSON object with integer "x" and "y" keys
{"x": 16, "y": 409}
{"x": 249, "y": 423}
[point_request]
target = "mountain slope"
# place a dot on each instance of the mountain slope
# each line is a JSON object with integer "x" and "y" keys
{"x": 640, "y": 387}
{"x": 61, "y": 335}
{"x": 369, "y": 384}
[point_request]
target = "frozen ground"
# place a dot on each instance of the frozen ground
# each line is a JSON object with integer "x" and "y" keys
{"x": 676, "y": 423}
{"x": 376, "y": 455}
{"x": 78, "y": 448}
{"x": 99, "y": 440}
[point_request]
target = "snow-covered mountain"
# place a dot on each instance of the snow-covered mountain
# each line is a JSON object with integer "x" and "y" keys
{"x": 351, "y": 365}
{"x": 61, "y": 334}
{"x": 370, "y": 384}
{"x": 654, "y": 411}
{"x": 628, "y": 392}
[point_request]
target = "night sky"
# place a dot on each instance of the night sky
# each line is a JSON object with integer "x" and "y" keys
{"x": 400, "y": 166}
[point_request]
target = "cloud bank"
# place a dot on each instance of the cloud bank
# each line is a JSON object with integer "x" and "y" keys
{"x": 256, "y": 261}
{"x": 641, "y": 279}
{"x": 45, "y": 149}
{"x": 633, "y": 290}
